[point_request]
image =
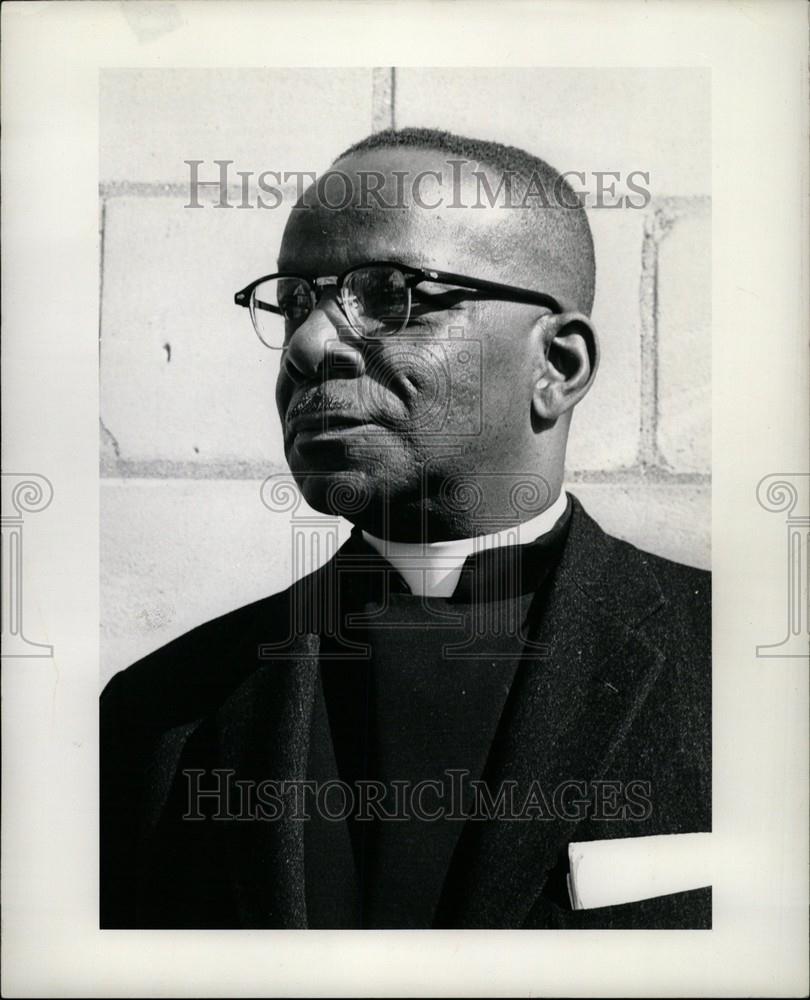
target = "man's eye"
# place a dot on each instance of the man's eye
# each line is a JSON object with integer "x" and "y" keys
{"x": 415, "y": 321}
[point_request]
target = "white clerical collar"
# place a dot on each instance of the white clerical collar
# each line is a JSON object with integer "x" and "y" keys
{"x": 433, "y": 569}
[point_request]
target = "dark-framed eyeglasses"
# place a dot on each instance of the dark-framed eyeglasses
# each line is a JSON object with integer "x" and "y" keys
{"x": 377, "y": 298}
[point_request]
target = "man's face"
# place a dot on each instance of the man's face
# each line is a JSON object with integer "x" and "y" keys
{"x": 396, "y": 426}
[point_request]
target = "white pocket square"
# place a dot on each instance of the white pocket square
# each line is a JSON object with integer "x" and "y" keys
{"x": 626, "y": 870}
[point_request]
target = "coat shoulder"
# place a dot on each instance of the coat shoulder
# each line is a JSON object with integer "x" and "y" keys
{"x": 191, "y": 675}
{"x": 625, "y": 569}
{"x": 677, "y": 580}
{"x": 681, "y": 625}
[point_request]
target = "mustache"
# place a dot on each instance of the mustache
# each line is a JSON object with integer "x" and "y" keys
{"x": 317, "y": 400}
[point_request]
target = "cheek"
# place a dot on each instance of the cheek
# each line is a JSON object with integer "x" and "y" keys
{"x": 404, "y": 376}
{"x": 455, "y": 386}
{"x": 439, "y": 387}
{"x": 508, "y": 364}
{"x": 445, "y": 381}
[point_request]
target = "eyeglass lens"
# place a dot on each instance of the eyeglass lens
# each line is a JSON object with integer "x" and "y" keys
{"x": 375, "y": 299}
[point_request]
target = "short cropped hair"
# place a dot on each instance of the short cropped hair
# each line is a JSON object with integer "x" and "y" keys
{"x": 570, "y": 231}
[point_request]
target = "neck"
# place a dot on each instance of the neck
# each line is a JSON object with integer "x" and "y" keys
{"x": 474, "y": 508}
{"x": 515, "y": 532}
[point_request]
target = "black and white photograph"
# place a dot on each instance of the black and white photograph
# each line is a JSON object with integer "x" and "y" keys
{"x": 462, "y": 336}
{"x": 411, "y": 446}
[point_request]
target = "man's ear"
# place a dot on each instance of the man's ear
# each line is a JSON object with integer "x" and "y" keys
{"x": 570, "y": 357}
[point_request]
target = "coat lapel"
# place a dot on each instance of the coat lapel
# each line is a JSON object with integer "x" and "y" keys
{"x": 568, "y": 710}
{"x": 263, "y": 732}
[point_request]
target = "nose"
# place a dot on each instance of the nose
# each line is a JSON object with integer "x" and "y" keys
{"x": 324, "y": 345}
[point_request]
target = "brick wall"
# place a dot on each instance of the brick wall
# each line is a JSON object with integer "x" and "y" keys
{"x": 188, "y": 423}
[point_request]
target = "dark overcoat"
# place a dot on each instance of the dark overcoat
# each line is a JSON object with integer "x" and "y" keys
{"x": 622, "y": 694}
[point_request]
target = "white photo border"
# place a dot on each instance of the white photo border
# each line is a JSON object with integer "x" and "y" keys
{"x": 52, "y": 54}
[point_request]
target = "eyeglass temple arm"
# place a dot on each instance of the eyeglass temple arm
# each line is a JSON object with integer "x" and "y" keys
{"x": 509, "y": 291}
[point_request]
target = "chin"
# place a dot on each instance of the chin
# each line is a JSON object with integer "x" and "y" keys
{"x": 345, "y": 493}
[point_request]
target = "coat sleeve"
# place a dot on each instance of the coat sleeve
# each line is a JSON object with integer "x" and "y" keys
{"x": 119, "y": 794}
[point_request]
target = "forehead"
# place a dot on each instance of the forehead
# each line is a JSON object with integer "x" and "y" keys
{"x": 409, "y": 205}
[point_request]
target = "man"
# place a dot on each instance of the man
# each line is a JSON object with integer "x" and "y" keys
{"x": 415, "y": 734}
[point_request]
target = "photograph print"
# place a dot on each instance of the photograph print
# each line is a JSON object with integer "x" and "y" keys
{"x": 405, "y": 498}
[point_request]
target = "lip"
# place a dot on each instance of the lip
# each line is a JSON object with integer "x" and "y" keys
{"x": 324, "y": 422}
{"x": 319, "y": 428}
